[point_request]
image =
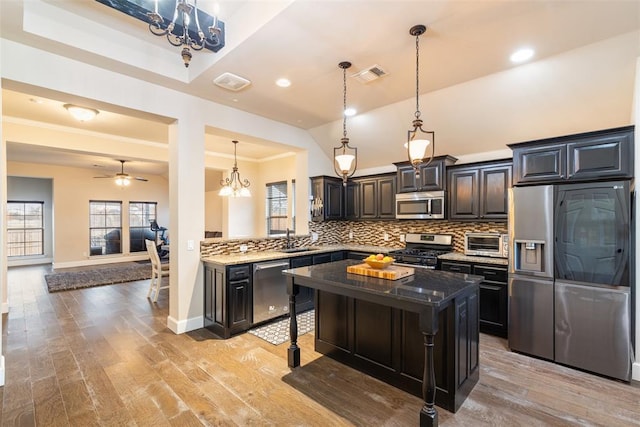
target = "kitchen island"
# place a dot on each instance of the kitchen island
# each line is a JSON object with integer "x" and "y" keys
{"x": 389, "y": 329}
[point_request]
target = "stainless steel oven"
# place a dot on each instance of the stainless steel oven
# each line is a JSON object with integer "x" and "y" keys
{"x": 421, "y": 205}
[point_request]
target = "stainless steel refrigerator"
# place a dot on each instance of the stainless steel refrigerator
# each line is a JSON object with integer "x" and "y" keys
{"x": 570, "y": 278}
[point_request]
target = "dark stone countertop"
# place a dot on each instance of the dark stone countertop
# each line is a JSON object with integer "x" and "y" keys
{"x": 425, "y": 287}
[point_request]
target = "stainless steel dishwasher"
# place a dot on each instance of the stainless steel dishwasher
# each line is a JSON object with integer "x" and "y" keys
{"x": 270, "y": 297}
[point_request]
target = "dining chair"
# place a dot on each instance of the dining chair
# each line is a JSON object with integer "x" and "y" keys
{"x": 158, "y": 270}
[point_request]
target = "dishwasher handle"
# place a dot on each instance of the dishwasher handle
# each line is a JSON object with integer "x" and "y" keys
{"x": 265, "y": 266}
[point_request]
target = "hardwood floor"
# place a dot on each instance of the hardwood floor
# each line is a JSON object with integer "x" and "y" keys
{"x": 103, "y": 356}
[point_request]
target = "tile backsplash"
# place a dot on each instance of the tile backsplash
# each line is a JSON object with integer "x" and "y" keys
{"x": 368, "y": 233}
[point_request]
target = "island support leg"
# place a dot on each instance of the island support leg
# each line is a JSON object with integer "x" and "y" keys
{"x": 429, "y": 328}
{"x": 293, "y": 352}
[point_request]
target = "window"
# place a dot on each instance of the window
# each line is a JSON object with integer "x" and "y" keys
{"x": 105, "y": 227}
{"x": 276, "y": 208}
{"x": 25, "y": 229}
{"x": 140, "y": 216}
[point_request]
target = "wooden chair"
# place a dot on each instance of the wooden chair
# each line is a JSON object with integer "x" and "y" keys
{"x": 158, "y": 270}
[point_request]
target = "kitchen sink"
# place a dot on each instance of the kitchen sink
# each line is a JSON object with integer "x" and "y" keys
{"x": 294, "y": 250}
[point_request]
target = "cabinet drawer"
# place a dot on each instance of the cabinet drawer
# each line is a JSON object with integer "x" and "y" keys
{"x": 456, "y": 267}
{"x": 238, "y": 273}
{"x": 493, "y": 274}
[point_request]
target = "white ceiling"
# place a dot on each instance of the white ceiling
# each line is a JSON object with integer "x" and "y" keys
{"x": 303, "y": 40}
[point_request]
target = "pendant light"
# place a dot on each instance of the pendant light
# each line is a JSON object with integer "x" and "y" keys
{"x": 235, "y": 186}
{"x": 418, "y": 140}
{"x": 345, "y": 163}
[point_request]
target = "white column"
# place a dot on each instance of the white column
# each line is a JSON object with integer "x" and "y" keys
{"x": 186, "y": 223}
{"x": 3, "y": 233}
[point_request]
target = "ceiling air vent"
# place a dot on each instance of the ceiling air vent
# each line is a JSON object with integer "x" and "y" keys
{"x": 231, "y": 82}
{"x": 369, "y": 74}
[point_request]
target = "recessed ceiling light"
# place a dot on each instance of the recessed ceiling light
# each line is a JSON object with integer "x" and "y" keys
{"x": 349, "y": 112}
{"x": 81, "y": 114}
{"x": 36, "y": 100}
{"x": 522, "y": 55}
{"x": 283, "y": 82}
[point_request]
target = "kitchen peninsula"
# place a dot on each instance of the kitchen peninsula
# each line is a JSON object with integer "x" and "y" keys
{"x": 419, "y": 333}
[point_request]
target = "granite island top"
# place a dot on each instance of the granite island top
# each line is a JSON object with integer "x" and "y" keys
{"x": 425, "y": 287}
{"x": 271, "y": 255}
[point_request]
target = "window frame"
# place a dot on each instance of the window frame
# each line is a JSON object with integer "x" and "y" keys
{"x": 24, "y": 230}
{"x": 149, "y": 217}
{"x": 269, "y": 200}
{"x": 107, "y": 228}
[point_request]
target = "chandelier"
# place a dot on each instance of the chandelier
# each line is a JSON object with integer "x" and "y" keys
{"x": 235, "y": 186}
{"x": 177, "y": 31}
{"x": 345, "y": 163}
{"x": 418, "y": 139}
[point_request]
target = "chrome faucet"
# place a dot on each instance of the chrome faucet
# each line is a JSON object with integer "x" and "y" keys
{"x": 288, "y": 239}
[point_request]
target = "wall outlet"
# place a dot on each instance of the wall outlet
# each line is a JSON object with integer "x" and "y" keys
{"x": 243, "y": 248}
{"x": 386, "y": 237}
{"x": 314, "y": 237}
{"x": 350, "y": 235}
{"x": 402, "y": 238}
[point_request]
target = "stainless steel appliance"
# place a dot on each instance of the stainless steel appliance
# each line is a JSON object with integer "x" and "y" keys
{"x": 270, "y": 297}
{"x": 570, "y": 275}
{"x": 422, "y": 250}
{"x": 486, "y": 244}
{"x": 421, "y": 205}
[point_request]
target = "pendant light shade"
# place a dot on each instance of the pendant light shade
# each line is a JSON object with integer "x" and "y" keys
{"x": 345, "y": 157}
{"x": 234, "y": 186}
{"x": 418, "y": 139}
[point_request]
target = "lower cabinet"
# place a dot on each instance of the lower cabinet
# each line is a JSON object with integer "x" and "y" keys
{"x": 387, "y": 343}
{"x": 305, "y": 298}
{"x": 228, "y": 301}
{"x": 494, "y": 297}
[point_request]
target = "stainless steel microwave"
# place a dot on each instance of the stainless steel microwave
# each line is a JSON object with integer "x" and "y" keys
{"x": 420, "y": 205}
{"x": 486, "y": 244}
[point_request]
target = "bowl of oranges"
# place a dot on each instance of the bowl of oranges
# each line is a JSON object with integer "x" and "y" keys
{"x": 379, "y": 261}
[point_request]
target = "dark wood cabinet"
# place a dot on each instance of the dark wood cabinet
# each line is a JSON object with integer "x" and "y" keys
{"x": 352, "y": 200}
{"x": 377, "y": 197}
{"x": 432, "y": 176}
{"x": 494, "y": 298}
{"x": 588, "y": 156}
{"x": 387, "y": 343}
{"x": 479, "y": 191}
{"x": 305, "y": 299}
{"x": 327, "y": 198}
{"x": 228, "y": 302}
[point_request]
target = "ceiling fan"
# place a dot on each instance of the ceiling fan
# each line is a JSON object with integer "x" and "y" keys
{"x": 123, "y": 179}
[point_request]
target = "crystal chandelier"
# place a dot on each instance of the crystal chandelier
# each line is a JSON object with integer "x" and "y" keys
{"x": 418, "y": 139}
{"x": 235, "y": 186}
{"x": 184, "y": 12}
{"x": 345, "y": 163}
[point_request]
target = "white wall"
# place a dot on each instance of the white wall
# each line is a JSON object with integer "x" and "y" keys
{"x": 24, "y": 189}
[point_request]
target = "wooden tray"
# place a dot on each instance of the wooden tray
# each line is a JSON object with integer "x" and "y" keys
{"x": 393, "y": 272}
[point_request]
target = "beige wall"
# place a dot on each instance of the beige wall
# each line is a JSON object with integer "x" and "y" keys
{"x": 73, "y": 188}
{"x": 213, "y": 203}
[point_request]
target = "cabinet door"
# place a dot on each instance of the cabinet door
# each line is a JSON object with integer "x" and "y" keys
{"x": 464, "y": 194}
{"x": 600, "y": 157}
{"x": 540, "y": 164}
{"x": 240, "y": 305}
{"x": 317, "y": 193}
{"x": 494, "y": 186}
{"x": 406, "y": 179}
{"x": 352, "y": 200}
{"x": 456, "y": 267}
{"x": 431, "y": 177}
{"x": 369, "y": 199}
{"x": 493, "y": 300}
{"x": 387, "y": 198}
{"x": 333, "y": 200}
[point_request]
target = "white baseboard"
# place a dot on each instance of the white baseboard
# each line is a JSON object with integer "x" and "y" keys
{"x": 182, "y": 326}
{"x": 1, "y": 370}
{"x": 100, "y": 261}
{"x": 28, "y": 261}
{"x": 635, "y": 371}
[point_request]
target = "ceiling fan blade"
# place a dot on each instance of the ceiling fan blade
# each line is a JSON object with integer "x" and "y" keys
{"x": 104, "y": 176}
{"x": 139, "y": 178}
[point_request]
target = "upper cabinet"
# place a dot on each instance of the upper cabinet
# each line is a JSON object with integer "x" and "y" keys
{"x": 589, "y": 156}
{"x": 377, "y": 197}
{"x": 327, "y": 198}
{"x": 432, "y": 176}
{"x": 479, "y": 191}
